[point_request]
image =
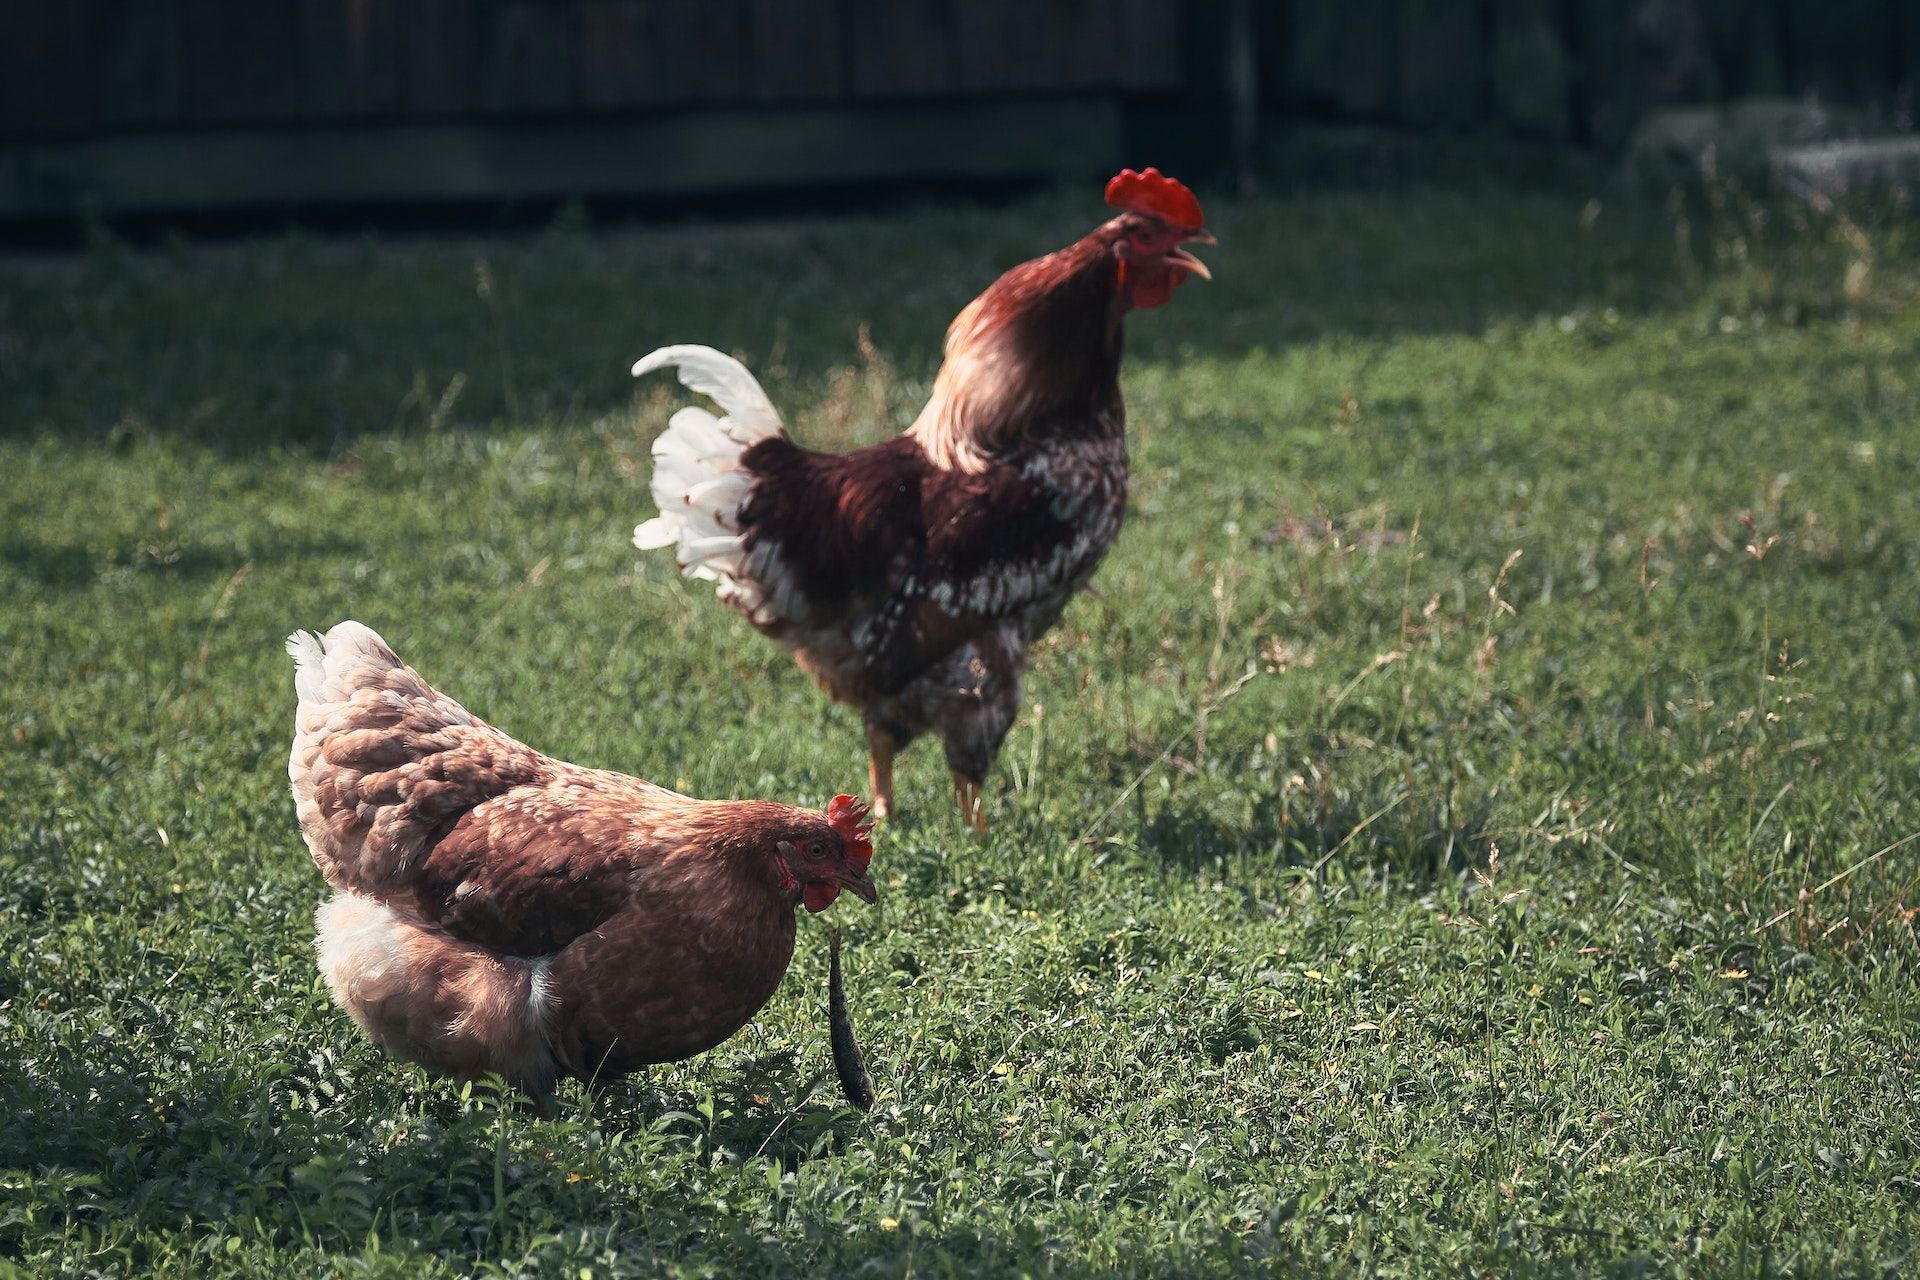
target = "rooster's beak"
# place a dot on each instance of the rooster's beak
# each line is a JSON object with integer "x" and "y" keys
{"x": 1187, "y": 262}
{"x": 861, "y": 883}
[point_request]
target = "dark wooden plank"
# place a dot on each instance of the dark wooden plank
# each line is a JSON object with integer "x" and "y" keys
{"x": 1532, "y": 70}
{"x": 1610, "y": 91}
{"x": 530, "y": 57}
{"x": 799, "y": 51}
{"x": 903, "y": 48}
{"x": 240, "y": 63}
{"x": 1211, "y": 39}
{"x": 688, "y": 153}
{"x": 1192, "y": 131}
{"x": 1368, "y": 87}
{"x": 1014, "y": 45}
{"x": 998, "y": 48}
{"x": 440, "y": 58}
{"x": 136, "y": 58}
{"x": 349, "y": 54}
{"x": 1303, "y": 71}
{"x": 1907, "y": 57}
{"x": 657, "y": 53}
{"x": 1659, "y": 55}
{"x": 1150, "y": 40}
{"x": 46, "y": 85}
{"x": 1384, "y": 49}
{"x": 1439, "y": 63}
{"x": 1841, "y": 50}
{"x": 1338, "y": 58}
{"x": 1743, "y": 42}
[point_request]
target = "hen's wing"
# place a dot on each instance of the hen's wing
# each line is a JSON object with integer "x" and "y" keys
{"x": 527, "y": 872}
{"x": 404, "y": 795}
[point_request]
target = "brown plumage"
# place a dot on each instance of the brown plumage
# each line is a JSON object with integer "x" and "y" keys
{"x": 910, "y": 578}
{"x": 497, "y": 910}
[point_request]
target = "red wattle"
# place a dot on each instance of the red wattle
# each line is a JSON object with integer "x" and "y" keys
{"x": 818, "y": 895}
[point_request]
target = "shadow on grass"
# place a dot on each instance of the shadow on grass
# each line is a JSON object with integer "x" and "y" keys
{"x": 48, "y": 564}
{"x": 478, "y": 1182}
{"x": 769, "y": 1107}
{"x": 66, "y": 565}
{"x": 313, "y": 343}
{"x": 285, "y": 1154}
{"x": 1363, "y": 830}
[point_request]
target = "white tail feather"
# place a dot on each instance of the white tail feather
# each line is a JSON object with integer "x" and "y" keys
{"x": 320, "y": 661}
{"x": 309, "y": 660}
{"x": 724, "y": 380}
{"x": 697, "y": 483}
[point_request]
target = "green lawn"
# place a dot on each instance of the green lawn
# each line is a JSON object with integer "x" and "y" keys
{"x": 1622, "y": 578}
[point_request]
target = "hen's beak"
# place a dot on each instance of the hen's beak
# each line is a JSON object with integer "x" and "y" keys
{"x": 861, "y": 883}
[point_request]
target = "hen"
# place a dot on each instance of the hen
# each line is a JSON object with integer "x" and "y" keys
{"x": 910, "y": 578}
{"x": 499, "y": 911}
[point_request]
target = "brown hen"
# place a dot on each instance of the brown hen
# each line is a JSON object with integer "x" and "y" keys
{"x": 496, "y": 910}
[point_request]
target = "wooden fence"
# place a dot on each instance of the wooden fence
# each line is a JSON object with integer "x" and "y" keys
{"x": 170, "y": 105}
{"x": 73, "y": 67}
{"x": 1579, "y": 70}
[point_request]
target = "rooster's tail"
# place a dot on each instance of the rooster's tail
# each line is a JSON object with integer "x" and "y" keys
{"x": 697, "y": 481}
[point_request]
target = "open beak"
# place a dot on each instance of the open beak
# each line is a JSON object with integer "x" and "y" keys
{"x": 861, "y": 883}
{"x": 1187, "y": 262}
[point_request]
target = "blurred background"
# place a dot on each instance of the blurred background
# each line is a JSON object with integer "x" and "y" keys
{"x": 192, "y": 112}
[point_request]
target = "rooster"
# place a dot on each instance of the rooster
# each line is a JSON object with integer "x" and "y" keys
{"x": 496, "y": 910}
{"x": 911, "y": 578}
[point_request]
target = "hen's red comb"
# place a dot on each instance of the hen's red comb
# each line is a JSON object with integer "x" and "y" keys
{"x": 848, "y": 818}
{"x": 1155, "y": 194}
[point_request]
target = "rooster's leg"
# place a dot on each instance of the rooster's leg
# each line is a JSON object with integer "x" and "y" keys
{"x": 973, "y": 807}
{"x": 880, "y": 748}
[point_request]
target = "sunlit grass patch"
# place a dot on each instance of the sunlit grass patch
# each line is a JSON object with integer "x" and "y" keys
{"x": 1461, "y": 521}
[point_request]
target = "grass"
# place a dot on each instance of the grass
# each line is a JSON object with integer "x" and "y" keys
{"x": 1462, "y": 834}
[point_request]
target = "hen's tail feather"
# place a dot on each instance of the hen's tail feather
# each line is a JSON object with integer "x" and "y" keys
{"x": 381, "y": 760}
{"x": 697, "y": 483}
{"x": 449, "y": 1005}
{"x": 322, "y": 663}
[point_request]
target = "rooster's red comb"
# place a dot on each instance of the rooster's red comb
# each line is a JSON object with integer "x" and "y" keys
{"x": 1155, "y": 194}
{"x": 848, "y": 818}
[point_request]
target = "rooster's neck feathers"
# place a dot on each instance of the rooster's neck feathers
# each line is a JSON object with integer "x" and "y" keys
{"x": 1038, "y": 351}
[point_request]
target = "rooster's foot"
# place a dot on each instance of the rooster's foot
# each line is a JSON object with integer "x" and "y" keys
{"x": 880, "y": 770}
{"x": 973, "y": 807}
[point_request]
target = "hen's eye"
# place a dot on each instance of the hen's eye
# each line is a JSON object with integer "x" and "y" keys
{"x": 816, "y": 850}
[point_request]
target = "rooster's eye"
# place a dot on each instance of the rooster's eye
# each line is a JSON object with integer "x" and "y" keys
{"x": 815, "y": 850}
